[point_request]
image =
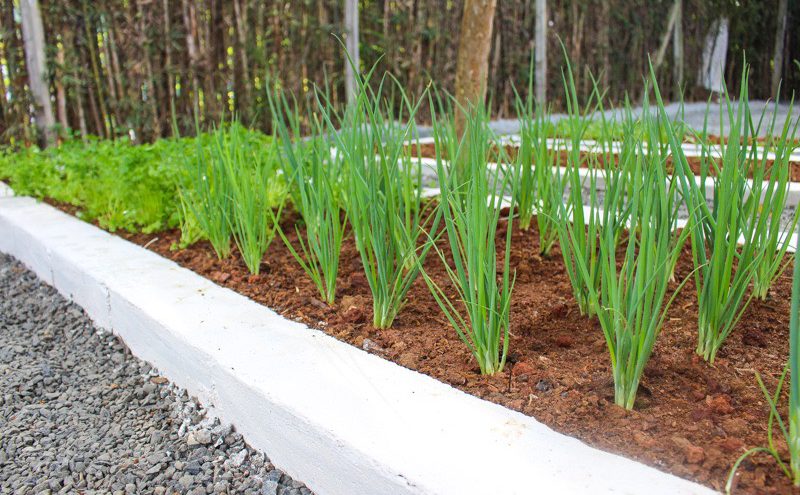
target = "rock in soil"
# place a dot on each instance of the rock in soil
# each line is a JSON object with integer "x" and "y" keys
{"x": 80, "y": 414}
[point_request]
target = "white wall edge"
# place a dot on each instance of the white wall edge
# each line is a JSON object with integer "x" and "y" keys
{"x": 5, "y": 190}
{"x": 339, "y": 419}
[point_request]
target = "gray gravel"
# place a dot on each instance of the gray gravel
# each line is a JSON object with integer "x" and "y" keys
{"x": 80, "y": 414}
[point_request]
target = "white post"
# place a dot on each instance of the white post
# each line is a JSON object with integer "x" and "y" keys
{"x": 33, "y": 41}
{"x": 712, "y": 75}
{"x": 540, "y": 51}
{"x": 351, "y": 44}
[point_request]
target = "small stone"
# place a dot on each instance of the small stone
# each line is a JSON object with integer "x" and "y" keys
{"x": 269, "y": 487}
{"x": 370, "y": 345}
{"x": 239, "y": 458}
{"x": 89, "y": 417}
{"x": 186, "y": 480}
{"x": 154, "y": 470}
{"x": 193, "y": 467}
{"x": 199, "y": 437}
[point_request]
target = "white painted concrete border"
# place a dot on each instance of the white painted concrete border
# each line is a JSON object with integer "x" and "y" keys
{"x": 429, "y": 165}
{"x": 339, "y": 419}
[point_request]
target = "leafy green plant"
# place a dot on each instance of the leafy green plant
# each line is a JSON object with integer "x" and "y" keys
{"x": 383, "y": 198}
{"x": 791, "y": 434}
{"x": 119, "y": 185}
{"x": 471, "y": 208}
{"x": 314, "y": 174}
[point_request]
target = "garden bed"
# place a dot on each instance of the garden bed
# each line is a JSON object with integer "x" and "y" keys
{"x": 691, "y": 419}
{"x": 342, "y": 420}
{"x": 427, "y": 150}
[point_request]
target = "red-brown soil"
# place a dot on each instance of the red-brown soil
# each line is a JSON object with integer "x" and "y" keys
{"x": 428, "y": 150}
{"x": 691, "y": 419}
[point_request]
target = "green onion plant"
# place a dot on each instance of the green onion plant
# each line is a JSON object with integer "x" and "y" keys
{"x": 724, "y": 236}
{"x": 206, "y": 194}
{"x": 257, "y": 194}
{"x": 579, "y": 227}
{"x": 471, "y": 208}
{"x": 769, "y": 195}
{"x": 791, "y": 435}
{"x": 383, "y": 197}
{"x": 630, "y": 302}
{"x": 314, "y": 175}
{"x": 538, "y": 188}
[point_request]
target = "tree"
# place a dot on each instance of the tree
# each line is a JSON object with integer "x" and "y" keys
{"x": 777, "y": 59}
{"x": 33, "y": 40}
{"x": 472, "y": 64}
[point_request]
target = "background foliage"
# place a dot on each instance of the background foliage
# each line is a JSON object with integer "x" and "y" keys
{"x": 135, "y": 67}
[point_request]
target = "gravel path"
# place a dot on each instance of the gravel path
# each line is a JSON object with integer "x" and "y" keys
{"x": 80, "y": 414}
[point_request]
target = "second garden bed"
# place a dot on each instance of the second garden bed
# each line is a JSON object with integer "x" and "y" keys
{"x": 428, "y": 150}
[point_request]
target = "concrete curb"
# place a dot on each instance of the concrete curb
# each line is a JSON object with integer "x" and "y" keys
{"x": 339, "y": 419}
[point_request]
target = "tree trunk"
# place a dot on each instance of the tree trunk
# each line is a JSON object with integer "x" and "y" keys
{"x": 77, "y": 85}
{"x": 33, "y": 39}
{"x": 242, "y": 88}
{"x": 677, "y": 51}
{"x": 674, "y": 12}
{"x": 780, "y": 35}
{"x": 5, "y": 118}
{"x": 351, "y": 66}
{"x": 168, "y": 68}
{"x": 17, "y": 97}
{"x": 149, "y": 79}
{"x": 472, "y": 65}
{"x": 540, "y": 51}
{"x": 90, "y": 34}
{"x": 61, "y": 92}
{"x": 189, "y": 19}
